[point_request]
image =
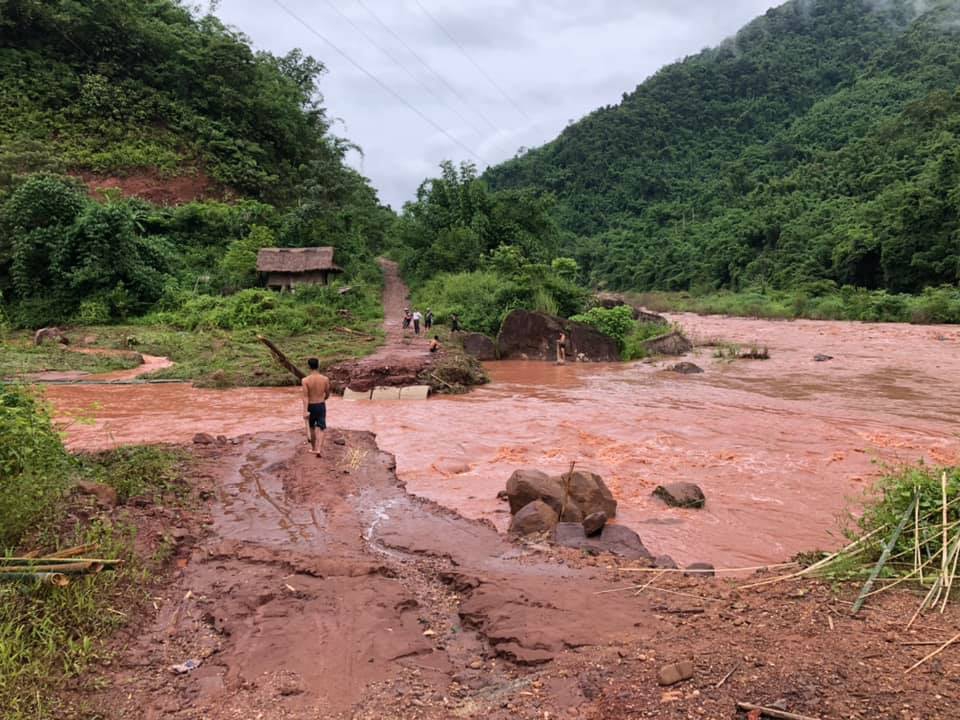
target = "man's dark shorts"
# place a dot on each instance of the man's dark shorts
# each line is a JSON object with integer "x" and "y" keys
{"x": 318, "y": 415}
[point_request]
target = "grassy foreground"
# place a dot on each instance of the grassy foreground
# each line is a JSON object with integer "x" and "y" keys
{"x": 50, "y": 635}
{"x": 213, "y": 340}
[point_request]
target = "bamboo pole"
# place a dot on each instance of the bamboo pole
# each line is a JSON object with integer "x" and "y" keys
{"x": 770, "y": 712}
{"x": 81, "y": 567}
{"x": 817, "y": 565}
{"x": 887, "y": 548}
{"x": 944, "y": 560}
{"x": 47, "y": 578}
{"x": 936, "y": 652}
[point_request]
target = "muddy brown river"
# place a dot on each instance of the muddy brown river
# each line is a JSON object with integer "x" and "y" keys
{"x": 782, "y": 448}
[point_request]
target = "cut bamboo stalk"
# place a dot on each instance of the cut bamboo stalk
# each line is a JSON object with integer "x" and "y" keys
{"x": 950, "y": 577}
{"x": 47, "y": 578}
{"x": 923, "y": 603}
{"x": 770, "y": 712}
{"x": 887, "y": 548}
{"x": 943, "y": 488}
{"x": 936, "y": 652}
{"x": 75, "y": 551}
{"x": 718, "y": 570}
{"x": 916, "y": 535}
{"x": 80, "y": 567}
{"x": 817, "y": 565}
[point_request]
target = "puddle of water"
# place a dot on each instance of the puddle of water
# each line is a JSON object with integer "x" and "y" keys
{"x": 778, "y": 446}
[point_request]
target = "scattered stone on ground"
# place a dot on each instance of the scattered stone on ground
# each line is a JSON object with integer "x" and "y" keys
{"x": 104, "y": 494}
{"x": 535, "y": 517}
{"x": 594, "y": 522}
{"x": 699, "y": 569}
{"x": 686, "y": 368}
{"x": 681, "y": 494}
{"x": 50, "y": 333}
{"x": 665, "y": 562}
{"x": 533, "y": 335}
{"x": 675, "y": 673}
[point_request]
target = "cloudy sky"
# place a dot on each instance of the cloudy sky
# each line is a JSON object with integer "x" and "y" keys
{"x": 476, "y": 79}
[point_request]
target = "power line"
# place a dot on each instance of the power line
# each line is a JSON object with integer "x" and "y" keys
{"x": 399, "y": 64}
{"x": 379, "y": 82}
{"x": 423, "y": 62}
{"x": 472, "y": 61}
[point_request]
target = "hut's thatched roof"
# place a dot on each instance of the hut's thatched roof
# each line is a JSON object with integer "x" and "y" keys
{"x": 296, "y": 259}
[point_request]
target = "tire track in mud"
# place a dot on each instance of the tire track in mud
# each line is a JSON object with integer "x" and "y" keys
{"x": 323, "y": 586}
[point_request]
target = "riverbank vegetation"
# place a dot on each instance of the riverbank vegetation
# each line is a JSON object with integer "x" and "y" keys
{"x": 819, "y": 301}
{"x": 818, "y": 145}
{"x": 50, "y": 634}
{"x": 148, "y": 154}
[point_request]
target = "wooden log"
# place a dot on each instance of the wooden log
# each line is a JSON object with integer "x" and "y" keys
{"x": 282, "y": 359}
{"x": 770, "y": 712}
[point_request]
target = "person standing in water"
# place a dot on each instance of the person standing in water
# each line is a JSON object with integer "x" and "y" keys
{"x": 562, "y": 348}
{"x": 316, "y": 390}
{"x": 417, "y": 317}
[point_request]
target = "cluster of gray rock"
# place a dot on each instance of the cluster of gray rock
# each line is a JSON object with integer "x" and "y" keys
{"x": 573, "y": 510}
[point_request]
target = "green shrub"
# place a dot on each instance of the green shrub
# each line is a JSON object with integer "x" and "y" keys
{"x": 34, "y": 466}
{"x": 616, "y": 322}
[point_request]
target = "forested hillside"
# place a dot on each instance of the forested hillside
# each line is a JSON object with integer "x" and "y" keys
{"x": 126, "y": 93}
{"x": 817, "y": 147}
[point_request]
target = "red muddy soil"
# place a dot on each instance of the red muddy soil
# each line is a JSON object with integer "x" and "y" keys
{"x": 156, "y": 188}
{"x": 149, "y": 364}
{"x": 404, "y": 358}
{"x": 324, "y": 590}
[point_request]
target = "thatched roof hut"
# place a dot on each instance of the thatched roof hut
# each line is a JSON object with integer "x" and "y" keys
{"x": 286, "y": 267}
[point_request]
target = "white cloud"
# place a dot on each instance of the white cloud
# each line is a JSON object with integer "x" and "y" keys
{"x": 558, "y": 59}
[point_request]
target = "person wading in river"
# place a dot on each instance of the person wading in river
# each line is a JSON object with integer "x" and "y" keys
{"x": 316, "y": 390}
{"x": 562, "y": 348}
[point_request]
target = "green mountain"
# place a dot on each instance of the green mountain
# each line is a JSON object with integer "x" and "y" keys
{"x": 209, "y": 150}
{"x": 817, "y": 146}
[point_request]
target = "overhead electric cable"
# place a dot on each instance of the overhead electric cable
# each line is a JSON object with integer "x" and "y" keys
{"x": 472, "y": 61}
{"x": 482, "y": 115}
{"x": 380, "y": 82}
{"x": 399, "y": 64}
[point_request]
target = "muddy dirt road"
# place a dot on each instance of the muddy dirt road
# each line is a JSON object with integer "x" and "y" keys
{"x": 781, "y": 446}
{"x": 321, "y": 589}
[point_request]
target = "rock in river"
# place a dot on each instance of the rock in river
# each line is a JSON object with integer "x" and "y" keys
{"x": 686, "y": 368}
{"x": 534, "y": 335}
{"x": 533, "y": 518}
{"x": 527, "y": 485}
{"x": 591, "y": 494}
{"x": 683, "y": 494}
{"x": 594, "y": 522}
{"x": 480, "y": 346}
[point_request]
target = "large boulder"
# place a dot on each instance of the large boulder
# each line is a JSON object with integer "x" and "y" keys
{"x": 479, "y": 346}
{"x": 50, "y": 333}
{"x": 526, "y": 485}
{"x": 591, "y": 494}
{"x": 535, "y": 517}
{"x": 622, "y": 541}
{"x": 534, "y": 335}
{"x": 681, "y": 494}
{"x": 674, "y": 343}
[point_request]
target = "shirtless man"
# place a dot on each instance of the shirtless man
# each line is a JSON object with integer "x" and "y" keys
{"x": 316, "y": 390}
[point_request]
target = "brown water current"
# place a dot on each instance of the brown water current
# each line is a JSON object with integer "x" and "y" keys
{"x": 780, "y": 447}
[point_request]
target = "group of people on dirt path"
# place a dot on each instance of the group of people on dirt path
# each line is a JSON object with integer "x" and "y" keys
{"x": 415, "y": 318}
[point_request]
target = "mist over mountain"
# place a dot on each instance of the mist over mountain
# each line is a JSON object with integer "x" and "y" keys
{"x": 818, "y": 146}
